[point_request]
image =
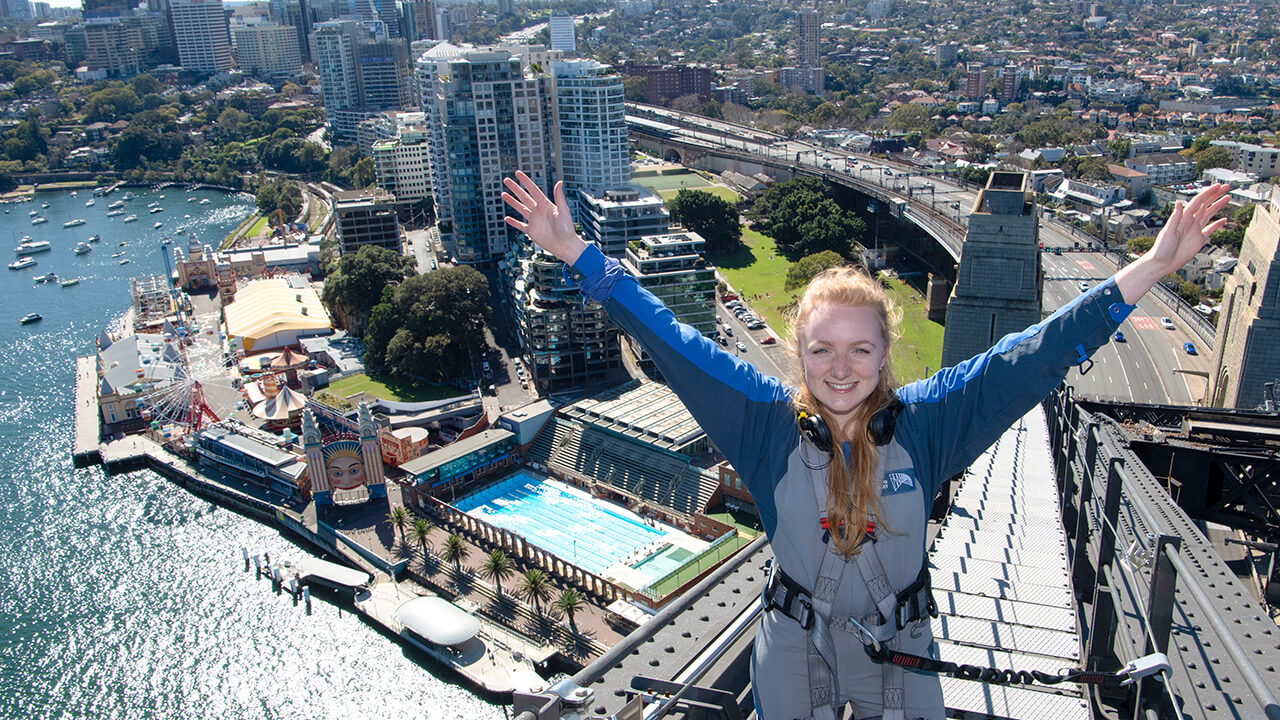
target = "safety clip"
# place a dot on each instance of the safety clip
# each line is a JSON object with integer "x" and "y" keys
{"x": 865, "y": 636}
{"x": 1083, "y": 360}
{"x": 1153, "y": 664}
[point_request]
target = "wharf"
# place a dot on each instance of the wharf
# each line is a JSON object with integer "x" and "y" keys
{"x": 85, "y": 449}
{"x": 489, "y": 661}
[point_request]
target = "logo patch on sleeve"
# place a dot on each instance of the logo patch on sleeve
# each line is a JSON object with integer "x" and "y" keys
{"x": 898, "y": 482}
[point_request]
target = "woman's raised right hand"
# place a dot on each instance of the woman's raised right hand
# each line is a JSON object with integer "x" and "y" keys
{"x": 548, "y": 223}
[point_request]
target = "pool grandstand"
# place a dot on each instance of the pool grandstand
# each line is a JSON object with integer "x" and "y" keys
{"x": 631, "y": 458}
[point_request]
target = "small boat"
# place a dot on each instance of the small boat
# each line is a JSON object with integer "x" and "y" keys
{"x": 82, "y": 248}
{"x": 158, "y": 225}
{"x": 30, "y": 318}
{"x": 187, "y": 216}
{"x": 152, "y": 204}
{"x": 33, "y": 246}
{"x": 204, "y": 201}
{"x": 123, "y": 243}
{"x": 73, "y": 193}
{"x": 127, "y": 195}
{"x": 69, "y": 282}
{"x": 113, "y": 213}
{"x": 116, "y": 205}
{"x": 191, "y": 199}
{"x": 38, "y": 220}
{"x": 47, "y": 277}
{"x": 155, "y": 210}
{"x": 124, "y": 261}
{"x": 94, "y": 238}
{"x": 131, "y": 218}
{"x": 44, "y": 205}
{"x": 116, "y": 255}
{"x": 22, "y": 263}
{"x": 161, "y": 196}
{"x": 74, "y": 222}
{"x": 90, "y": 202}
{"x": 167, "y": 241}
{"x": 33, "y": 213}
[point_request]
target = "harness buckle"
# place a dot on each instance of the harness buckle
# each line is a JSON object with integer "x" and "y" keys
{"x": 804, "y": 611}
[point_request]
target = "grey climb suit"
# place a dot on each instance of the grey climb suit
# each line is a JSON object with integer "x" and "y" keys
{"x": 947, "y": 421}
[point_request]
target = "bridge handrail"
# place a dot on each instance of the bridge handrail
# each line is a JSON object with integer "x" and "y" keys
{"x": 1107, "y": 465}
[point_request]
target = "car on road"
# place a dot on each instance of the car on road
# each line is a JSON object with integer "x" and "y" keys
{"x": 728, "y": 331}
{"x": 1167, "y": 323}
{"x": 1084, "y": 286}
{"x": 1118, "y": 336}
{"x": 768, "y": 340}
{"x": 741, "y": 347}
{"x": 955, "y": 206}
{"x": 1188, "y": 348}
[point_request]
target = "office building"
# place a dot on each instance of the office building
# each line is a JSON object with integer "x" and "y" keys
{"x": 366, "y": 217}
{"x": 201, "y": 35}
{"x": 267, "y": 51}
{"x": 562, "y": 32}
{"x": 592, "y": 126}
{"x": 417, "y": 20}
{"x": 1009, "y": 78}
{"x": 295, "y": 14}
{"x": 403, "y": 164}
{"x": 487, "y": 119}
{"x": 112, "y": 46}
{"x": 810, "y": 53}
{"x": 997, "y": 288}
{"x": 1246, "y": 354}
{"x": 361, "y": 74}
{"x": 1248, "y": 157}
{"x": 615, "y": 217}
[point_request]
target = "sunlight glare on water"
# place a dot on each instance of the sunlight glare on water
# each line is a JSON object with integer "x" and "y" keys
{"x": 125, "y": 596}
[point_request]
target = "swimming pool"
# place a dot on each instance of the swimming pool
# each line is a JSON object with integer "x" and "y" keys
{"x": 566, "y": 522}
{"x": 662, "y": 563}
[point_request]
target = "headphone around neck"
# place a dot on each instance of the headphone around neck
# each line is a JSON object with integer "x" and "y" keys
{"x": 879, "y": 428}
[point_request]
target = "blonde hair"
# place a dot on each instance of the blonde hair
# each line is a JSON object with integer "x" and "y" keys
{"x": 852, "y": 488}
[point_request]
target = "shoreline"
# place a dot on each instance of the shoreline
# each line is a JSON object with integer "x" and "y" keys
{"x": 501, "y": 673}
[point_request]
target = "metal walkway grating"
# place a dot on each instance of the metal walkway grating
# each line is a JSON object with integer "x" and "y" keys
{"x": 1002, "y": 582}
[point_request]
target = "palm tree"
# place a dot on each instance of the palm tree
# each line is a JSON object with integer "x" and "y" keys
{"x": 420, "y": 530}
{"x": 498, "y": 567}
{"x": 455, "y": 551}
{"x": 535, "y": 586}
{"x": 399, "y": 517}
{"x": 569, "y": 603}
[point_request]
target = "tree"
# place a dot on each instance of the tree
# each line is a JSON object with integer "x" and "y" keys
{"x": 1140, "y": 245}
{"x": 715, "y": 219}
{"x": 1213, "y": 156}
{"x": 399, "y": 517}
{"x": 911, "y": 117}
{"x": 570, "y": 603}
{"x": 807, "y": 267}
{"x": 111, "y": 103}
{"x": 498, "y": 567}
{"x": 357, "y": 285}
{"x": 420, "y": 531}
{"x": 535, "y": 586}
{"x": 145, "y": 84}
{"x": 455, "y": 551}
{"x": 438, "y": 317}
{"x": 362, "y": 174}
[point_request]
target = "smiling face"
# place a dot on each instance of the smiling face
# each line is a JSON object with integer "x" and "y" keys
{"x": 842, "y": 350}
{"x": 345, "y": 471}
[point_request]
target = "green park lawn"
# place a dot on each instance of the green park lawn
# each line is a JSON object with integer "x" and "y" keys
{"x": 719, "y": 191}
{"x": 391, "y": 387}
{"x": 257, "y": 227}
{"x": 757, "y": 271}
{"x": 671, "y": 181}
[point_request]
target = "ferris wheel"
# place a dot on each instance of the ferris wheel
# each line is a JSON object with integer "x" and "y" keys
{"x": 196, "y": 388}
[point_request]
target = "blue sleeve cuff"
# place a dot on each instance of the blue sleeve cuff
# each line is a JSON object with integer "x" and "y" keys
{"x": 590, "y": 262}
{"x": 1117, "y": 310}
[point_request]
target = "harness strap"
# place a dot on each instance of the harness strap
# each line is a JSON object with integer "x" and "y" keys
{"x": 996, "y": 676}
{"x": 893, "y": 691}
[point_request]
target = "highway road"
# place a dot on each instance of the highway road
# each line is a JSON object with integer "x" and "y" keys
{"x": 1150, "y": 366}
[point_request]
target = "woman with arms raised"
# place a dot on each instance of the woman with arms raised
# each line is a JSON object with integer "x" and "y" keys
{"x": 843, "y": 465}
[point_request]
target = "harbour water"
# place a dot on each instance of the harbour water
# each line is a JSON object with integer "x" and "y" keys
{"x": 125, "y": 596}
